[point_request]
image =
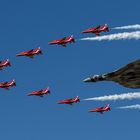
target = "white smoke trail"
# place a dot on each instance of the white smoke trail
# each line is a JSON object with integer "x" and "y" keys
{"x": 124, "y": 96}
{"x": 137, "y": 106}
{"x": 117, "y": 36}
{"x": 136, "y": 26}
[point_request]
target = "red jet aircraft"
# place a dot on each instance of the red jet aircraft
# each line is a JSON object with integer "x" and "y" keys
{"x": 4, "y": 63}
{"x": 40, "y": 93}
{"x": 97, "y": 30}
{"x": 101, "y": 109}
{"x": 6, "y": 85}
{"x": 70, "y": 101}
{"x": 63, "y": 41}
{"x": 31, "y": 52}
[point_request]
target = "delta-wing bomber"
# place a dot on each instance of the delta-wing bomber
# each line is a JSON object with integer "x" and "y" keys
{"x": 127, "y": 76}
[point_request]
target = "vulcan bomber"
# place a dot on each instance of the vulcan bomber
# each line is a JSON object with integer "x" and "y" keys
{"x": 127, "y": 76}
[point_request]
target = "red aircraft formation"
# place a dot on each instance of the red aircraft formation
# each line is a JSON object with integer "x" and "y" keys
{"x": 37, "y": 51}
{"x": 101, "y": 109}
{"x": 31, "y": 52}
{"x": 97, "y": 30}
{"x": 63, "y": 41}
{"x": 70, "y": 101}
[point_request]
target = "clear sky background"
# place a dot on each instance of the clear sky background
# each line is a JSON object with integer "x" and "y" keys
{"x": 25, "y": 25}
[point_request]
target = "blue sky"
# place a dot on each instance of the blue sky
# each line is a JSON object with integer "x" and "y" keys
{"x": 27, "y": 24}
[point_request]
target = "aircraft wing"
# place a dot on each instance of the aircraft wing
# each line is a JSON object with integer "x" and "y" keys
{"x": 127, "y": 67}
{"x": 102, "y": 107}
{"x": 30, "y": 51}
{"x": 7, "y": 88}
{"x": 101, "y": 112}
{"x": 69, "y": 103}
{"x": 98, "y": 27}
{"x": 97, "y": 34}
{"x": 64, "y": 45}
{"x": 130, "y": 67}
{"x": 62, "y": 40}
{"x": 128, "y": 76}
{"x": 31, "y": 56}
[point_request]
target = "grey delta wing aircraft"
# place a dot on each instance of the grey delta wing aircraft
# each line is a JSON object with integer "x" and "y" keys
{"x": 127, "y": 76}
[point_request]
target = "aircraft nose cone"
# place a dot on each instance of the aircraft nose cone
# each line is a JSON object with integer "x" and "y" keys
{"x": 87, "y": 79}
